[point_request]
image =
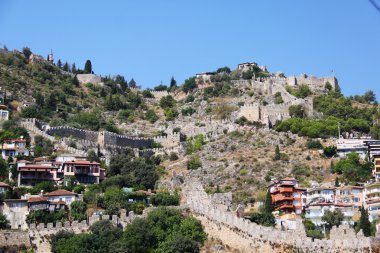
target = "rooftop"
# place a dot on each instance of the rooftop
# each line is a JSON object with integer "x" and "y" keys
{"x": 60, "y": 193}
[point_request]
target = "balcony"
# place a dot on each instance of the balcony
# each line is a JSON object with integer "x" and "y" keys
{"x": 282, "y": 198}
{"x": 368, "y": 192}
{"x": 283, "y": 190}
{"x": 285, "y": 206}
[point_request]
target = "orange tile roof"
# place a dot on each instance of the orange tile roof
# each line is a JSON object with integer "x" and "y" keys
{"x": 60, "y": 193}
{"x": 33, "y": 167}
{"x": 81, "y": 162}
{"x": 289, "y": 178}
{"x": 37, "y": 199}
{"x": 2, "y": 184}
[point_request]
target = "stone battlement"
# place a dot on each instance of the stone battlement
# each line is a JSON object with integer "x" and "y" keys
{"x": 250, "y": 237}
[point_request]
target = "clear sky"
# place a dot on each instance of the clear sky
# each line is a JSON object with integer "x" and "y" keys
{"x": 152, "y": 41}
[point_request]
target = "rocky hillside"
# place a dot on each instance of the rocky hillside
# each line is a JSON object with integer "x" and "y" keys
{"x": 243, "y": 126}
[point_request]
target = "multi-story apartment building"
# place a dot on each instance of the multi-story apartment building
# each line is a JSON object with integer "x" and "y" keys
{"x": 287, "y": 195}
{"x": 13, "y": 148}
{"x": 376, "y": 167}
{"x": 347, "y": 199}
{"x": 372, "y": 200}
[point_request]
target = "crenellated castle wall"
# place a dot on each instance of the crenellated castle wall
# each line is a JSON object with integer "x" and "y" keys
{"x": 247, "y": 237}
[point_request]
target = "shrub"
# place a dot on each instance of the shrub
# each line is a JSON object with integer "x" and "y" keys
{"x": 314, "y": 144}
{"x": 194, "y": 163}
{"x": 151, "y": 116}
{"x": 188, "y": 111}
{"x": 164, "y": 199}
{"x": 173, "y": 156}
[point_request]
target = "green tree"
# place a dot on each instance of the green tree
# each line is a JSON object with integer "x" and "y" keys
{"x": 277, "y": 154}
{"x": 66, "y": 67}
{"x": 151, "y": 116}
{"x": 59, "y": 63}
{"x": 337, "y": 182}
{"x": 73, "y": 68}
{"x": 4, "y": 223}
{"x": 189, "y": 85}
{"x": 27, "y": 52}
{"x": 42, "y": 146}
{"x": 268, "y": 206}
{"x": 3, "y": 169}
{"x": 296, "y": 111}
{"x": 303, "y": 91}
{"x": 139, "y": 237}
{"x": 329, "y": 151}
{"x": 333, "y": 218}
{"x": 328, "y": 86}
{"x": 194, "y": 163}
{"x": 170, "y": 114}
{"x": 78, "y": 210}
{"x": 88, "y": 67}
{"x": 264, "y": 219}
{"x": 173, "y": 83}
{"x": 364, "y": 224}
{"x": 369, "y": 96}
{"x": 167, "y": 102}
{"x": 92, "y": 156}
{"x": 132, "y": 83}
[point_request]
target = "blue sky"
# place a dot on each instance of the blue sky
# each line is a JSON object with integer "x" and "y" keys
{"x": 152, "y": 41}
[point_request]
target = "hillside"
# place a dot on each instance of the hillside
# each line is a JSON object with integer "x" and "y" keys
{"x": 233, "y": 119}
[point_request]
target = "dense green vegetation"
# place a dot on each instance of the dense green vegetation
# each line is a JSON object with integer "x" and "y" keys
{"x": 336, "y": 110}
{"x": 164, "y": 230}
{"x": 353, "y": 170}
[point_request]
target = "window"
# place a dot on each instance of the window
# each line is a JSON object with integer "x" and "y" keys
{"x": 356, "y": 200}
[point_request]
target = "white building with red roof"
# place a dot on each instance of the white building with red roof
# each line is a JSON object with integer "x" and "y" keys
{"x": 60, "y": 196}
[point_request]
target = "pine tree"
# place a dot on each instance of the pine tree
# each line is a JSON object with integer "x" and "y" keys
{"x": 88, "y": 67}
{"x": 66, "y": 67}
{"x": 268, "y": 206}
{"x": 173, "y": 83}
{"x": 75, "y": 80}
{"x": 132, "y": 83}
{"x": 364, "y": 223}
{"x": 73, "y": 68}
{"x": 59, "y": 63}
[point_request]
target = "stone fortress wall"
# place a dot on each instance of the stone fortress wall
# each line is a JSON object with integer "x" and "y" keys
{"x": 37, "y": 237}
{"x": 107, "y": 142}
{"x": 271, "y": 113}
{"x": 250, "y": 237}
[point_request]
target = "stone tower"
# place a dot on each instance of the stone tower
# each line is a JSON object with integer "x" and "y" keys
{"x": 50, "y": 58}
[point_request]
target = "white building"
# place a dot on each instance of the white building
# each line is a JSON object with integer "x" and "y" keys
{"x": 62, "y": 195}
{"x": 16, "y": 210}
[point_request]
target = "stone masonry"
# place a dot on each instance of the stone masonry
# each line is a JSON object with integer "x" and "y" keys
{"x": 250, "y": 237}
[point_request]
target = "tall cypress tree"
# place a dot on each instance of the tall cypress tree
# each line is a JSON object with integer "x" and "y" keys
{"x": 268, "y": 206}
{"x": 88, "y": 67}
{"x": 364, "y": 223}
{"x": 277, "y": 154}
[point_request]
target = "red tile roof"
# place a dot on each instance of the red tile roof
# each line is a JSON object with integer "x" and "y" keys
{"x": 2, "y": 184}
{"x": 60, "y": 193}
{"x": 37, "y": 199}
{"x": 289, "y": 178}
{"x": 42, "y": 158}
{"x": 23, "y": 161}
{"x": 58, "y": 202}
{"x": 81, "y": 162}
{"x": 35, "y": 167}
